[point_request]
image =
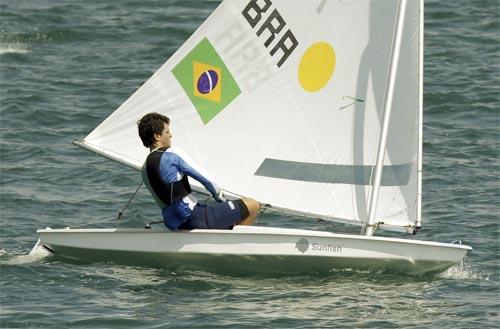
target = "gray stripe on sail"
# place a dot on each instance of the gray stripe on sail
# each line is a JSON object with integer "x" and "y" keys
{"x": 321, "y": 6}
{"x": 394, "y": 175}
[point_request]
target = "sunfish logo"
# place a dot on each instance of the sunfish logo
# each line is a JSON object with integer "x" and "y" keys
{"x": 302, "y": 245}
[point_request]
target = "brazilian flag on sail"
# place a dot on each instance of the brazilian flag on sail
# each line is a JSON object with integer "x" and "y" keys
{"x": 206, "y": 80}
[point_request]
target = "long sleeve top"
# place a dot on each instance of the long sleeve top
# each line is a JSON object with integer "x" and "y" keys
{"x": 174, "y": 164}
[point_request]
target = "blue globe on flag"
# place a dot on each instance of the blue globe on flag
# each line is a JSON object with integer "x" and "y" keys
{"x": 207, "y": 82}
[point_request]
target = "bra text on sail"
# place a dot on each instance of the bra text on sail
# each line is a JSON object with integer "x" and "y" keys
{"x": 274, "y": 24}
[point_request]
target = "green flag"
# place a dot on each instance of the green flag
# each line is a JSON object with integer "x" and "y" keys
{"x": 206, "y": 80}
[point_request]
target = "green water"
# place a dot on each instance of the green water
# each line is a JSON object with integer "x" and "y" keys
{"x": 66, "y": 65}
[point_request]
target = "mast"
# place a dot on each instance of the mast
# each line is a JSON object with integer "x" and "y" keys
{"x": 396, "y": 45}
{"x": 418, "y": 223}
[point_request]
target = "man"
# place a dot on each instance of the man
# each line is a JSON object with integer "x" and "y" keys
{"x": 165, "y": 173}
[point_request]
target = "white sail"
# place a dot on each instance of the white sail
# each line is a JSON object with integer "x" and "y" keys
{"x": 282, "y": 100}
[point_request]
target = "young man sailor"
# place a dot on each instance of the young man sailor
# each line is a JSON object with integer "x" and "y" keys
{"x": 165, "y": 173}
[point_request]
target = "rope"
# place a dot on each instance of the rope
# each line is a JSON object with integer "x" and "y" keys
{"x": 263, "y": 209}
{"x": 263, "y": 206}
{"x": 119, "y": 214}
{"x": 129, "y": 201}
{"x": 92, "y": 223}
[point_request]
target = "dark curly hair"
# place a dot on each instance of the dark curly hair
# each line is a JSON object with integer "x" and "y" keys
{"x": 149, "y": 125}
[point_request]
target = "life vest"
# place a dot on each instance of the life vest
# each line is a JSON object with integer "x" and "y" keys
{"x": 164, "y": 193}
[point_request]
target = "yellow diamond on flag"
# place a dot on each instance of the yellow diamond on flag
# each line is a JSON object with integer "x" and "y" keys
{"x": 207, "y": 81}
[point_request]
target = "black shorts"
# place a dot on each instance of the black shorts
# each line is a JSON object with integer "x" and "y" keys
{"x": 223, "y": 215}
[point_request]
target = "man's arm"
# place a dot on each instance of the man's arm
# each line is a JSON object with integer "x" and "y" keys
{"x": 187, "y": 166}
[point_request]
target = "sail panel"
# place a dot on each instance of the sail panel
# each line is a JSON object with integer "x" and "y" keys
{"x": 282, "y": 101}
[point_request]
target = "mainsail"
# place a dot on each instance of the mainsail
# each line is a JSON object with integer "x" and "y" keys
{"x": 282, "y": 101}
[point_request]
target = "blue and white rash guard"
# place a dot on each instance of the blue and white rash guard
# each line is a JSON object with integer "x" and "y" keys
{"x": 172, "y": 166}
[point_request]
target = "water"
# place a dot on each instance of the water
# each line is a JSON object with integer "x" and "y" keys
{"x": 65, "y": 65}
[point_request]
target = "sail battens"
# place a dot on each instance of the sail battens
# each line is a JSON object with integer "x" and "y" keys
{"x": 394, "y": 175}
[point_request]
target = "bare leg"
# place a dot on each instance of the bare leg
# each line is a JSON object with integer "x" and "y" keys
{"x": 253, "y": 210}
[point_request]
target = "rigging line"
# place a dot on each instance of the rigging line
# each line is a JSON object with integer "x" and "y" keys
{"x": 129, "y": 201}
{"x": 355, "y": 101}
{"x": 264, "y": 206}
{"x": 119, "y": 214}
{"x": 92, "y": 223}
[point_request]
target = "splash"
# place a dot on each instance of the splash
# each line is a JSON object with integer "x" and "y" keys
{"x": 37, "y": 253}
{"x": 39, "y": 250}
{"x": 13, "y": 49}
{"x": 463, "y": 271}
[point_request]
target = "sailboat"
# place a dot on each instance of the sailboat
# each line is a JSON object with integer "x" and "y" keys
{"x": 313, "y": 108}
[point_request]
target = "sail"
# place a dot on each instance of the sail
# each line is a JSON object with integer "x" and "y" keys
{"x": 282, "y": 101}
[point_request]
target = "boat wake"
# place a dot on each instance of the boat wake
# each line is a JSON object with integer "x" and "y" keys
{"x": 13, "y": 49}
{"x": 463, "y": 271}
{"x": 20, "y": 259}
{"x": 37, "y": 253}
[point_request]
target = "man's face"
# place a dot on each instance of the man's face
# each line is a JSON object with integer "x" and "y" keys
{"x": 163, "y": 139}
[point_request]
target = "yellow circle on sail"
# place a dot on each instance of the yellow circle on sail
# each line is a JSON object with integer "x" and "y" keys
{"x": 316, "y": 66}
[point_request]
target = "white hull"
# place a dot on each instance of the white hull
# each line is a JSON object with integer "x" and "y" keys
{"x": 254, "y": 249}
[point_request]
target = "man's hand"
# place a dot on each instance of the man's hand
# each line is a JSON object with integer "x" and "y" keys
{"x": 220, "y": 197}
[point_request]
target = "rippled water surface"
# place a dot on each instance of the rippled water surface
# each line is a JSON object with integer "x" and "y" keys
{"x": 66, "y": 65}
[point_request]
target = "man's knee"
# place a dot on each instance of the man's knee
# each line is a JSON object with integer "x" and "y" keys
{"x": 252, "y": 206}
